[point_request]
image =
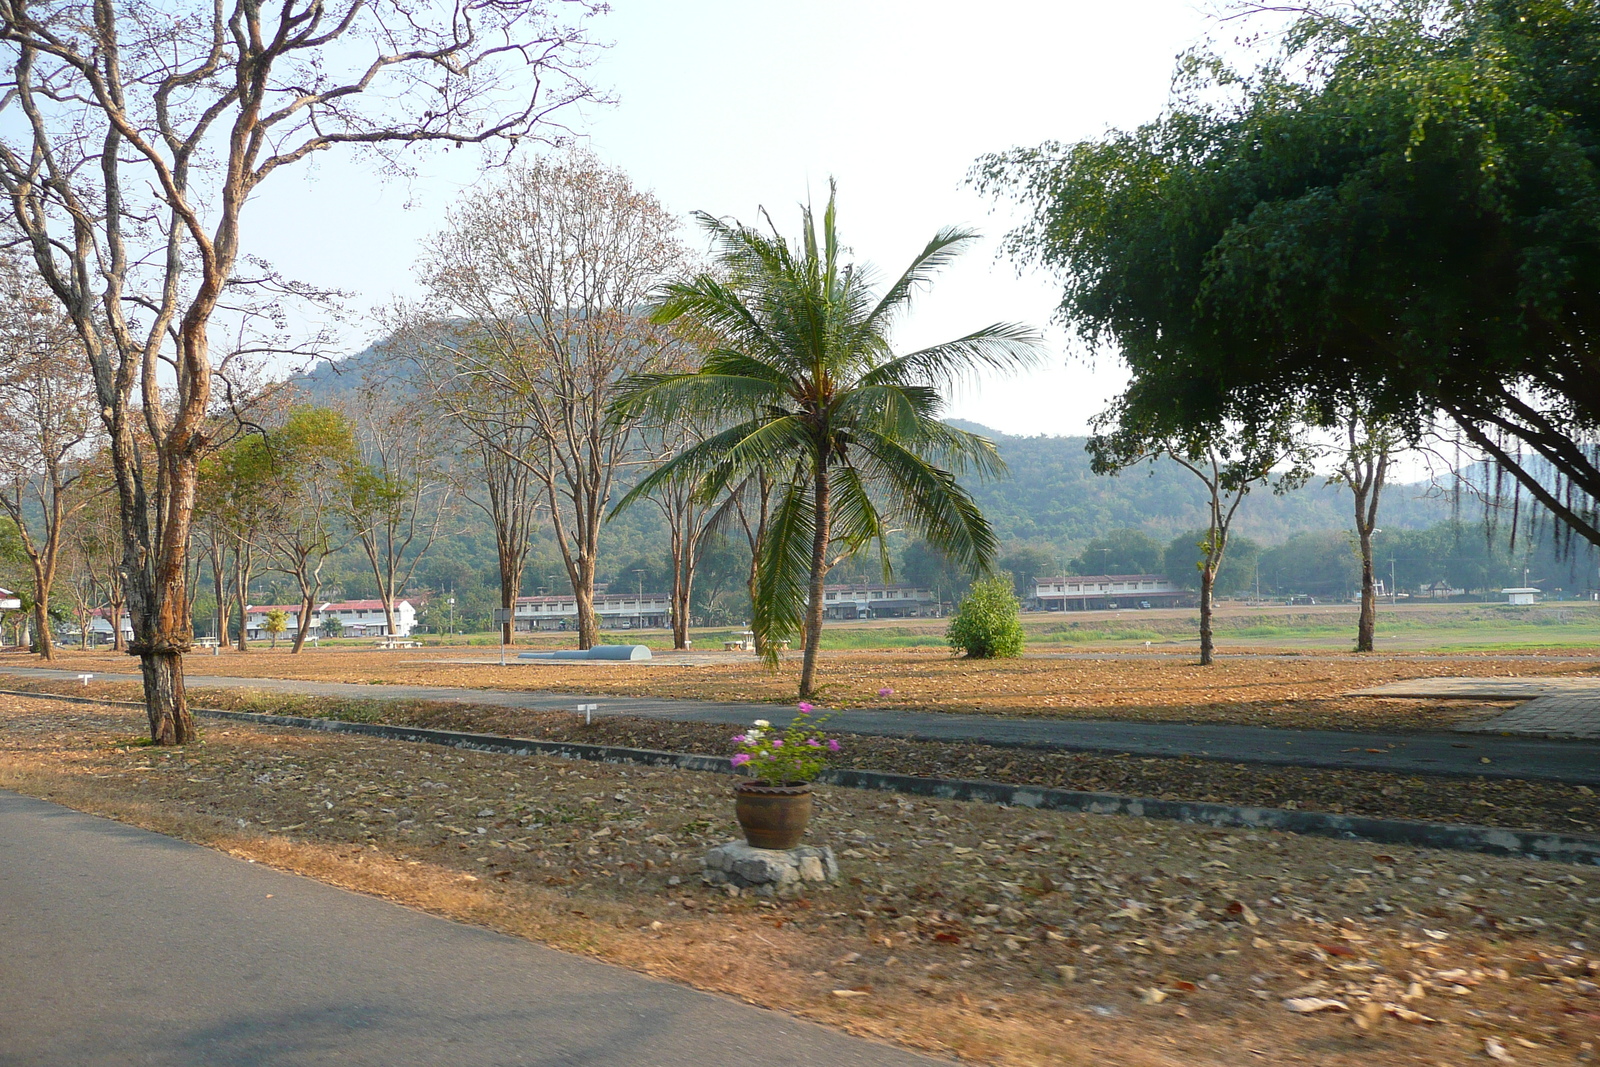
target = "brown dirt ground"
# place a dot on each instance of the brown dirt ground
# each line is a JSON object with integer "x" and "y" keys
{"x": 1529, "y": 805}
{"x": 1304, "y": 691}
{"x": 1001, "y": 935}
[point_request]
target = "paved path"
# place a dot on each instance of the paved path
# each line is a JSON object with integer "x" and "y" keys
{"x": 124, "y": 947}
{"x": 1554, "y": 707}
{"x": 1406, "y": 753}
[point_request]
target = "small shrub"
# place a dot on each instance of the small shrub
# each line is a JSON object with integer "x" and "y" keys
{"x": 985, "y": 625}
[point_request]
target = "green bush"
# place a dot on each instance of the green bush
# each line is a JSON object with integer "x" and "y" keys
{"x": 985, "y": 625}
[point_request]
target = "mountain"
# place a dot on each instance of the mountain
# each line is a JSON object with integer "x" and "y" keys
{"x": 1053, "y": 496}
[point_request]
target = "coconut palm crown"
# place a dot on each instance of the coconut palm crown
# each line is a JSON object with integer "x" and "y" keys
{"x": 802, "y": 375}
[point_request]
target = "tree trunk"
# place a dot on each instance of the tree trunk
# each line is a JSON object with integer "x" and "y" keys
{"x": 750, "y": 585}
{"x": 1366, "y": 627}
{"x": 42, "y": 643}
{"x": 819, "y": 575}
{"x": 165, "y": 703}
{"x": 388, "y": 615}
{"x": 308, "y": 603}
{"x": 583, "y": 593}
{"x": 118, "y": 605}
{"x": 510, "y": 585}
{"x": 241, "y": 593}
{"x": 1208, "y": 578}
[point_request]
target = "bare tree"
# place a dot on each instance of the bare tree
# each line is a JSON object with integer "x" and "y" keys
{"x": 1364, "y": 466}
{"x": 504, "y": 447}
{"x": 135, "y": 137}
{"x": 1230, "y": 461}
{"x": 93, "y": 549}
{"x": 46, "y": 429}
{"x": 552, "y": 267}
{"x": 688, "y": 515}
{"x": 396, "y": 498}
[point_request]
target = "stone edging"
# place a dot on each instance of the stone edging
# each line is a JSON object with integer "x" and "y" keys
{"x": 1491, "y": 840}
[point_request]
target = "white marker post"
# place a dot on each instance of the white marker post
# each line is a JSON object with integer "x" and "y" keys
{"x": 502, "y": 616}
{"x": 588, "y": 713}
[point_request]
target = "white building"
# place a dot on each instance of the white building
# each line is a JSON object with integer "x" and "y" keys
{"x": 359, "y": 618}
{"x": 1089, "y": 592}
{"x": 878, "y": 602}
{"x": 617, "y": 611}
{"x": 100, "y": 626}
{"x": 9, "y": 601}
{"x": 1521, "y": 595}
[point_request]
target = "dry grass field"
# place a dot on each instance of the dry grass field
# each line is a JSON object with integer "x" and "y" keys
{"x": 1001, "y": 936}
{"x": 1305, "y": 690}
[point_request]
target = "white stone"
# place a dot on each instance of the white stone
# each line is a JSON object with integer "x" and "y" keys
{"x": 736, "y": 863}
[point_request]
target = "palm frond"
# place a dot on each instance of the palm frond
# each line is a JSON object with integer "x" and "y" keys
{"x": 930, "y": 499}
{"x": 1003, "y": 346}
{"x": 937, "y": 254}
{"x": 781, "y": 577}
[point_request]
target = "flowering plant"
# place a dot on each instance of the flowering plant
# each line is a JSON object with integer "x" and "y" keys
{"x": 796, "y": 755}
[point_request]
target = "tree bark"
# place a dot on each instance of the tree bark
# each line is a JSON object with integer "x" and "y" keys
{"x": 1367, "y": 624}
{"x": 1208, "y": 578}
{"x": 165, "y": 702}
{"x": 308, "y": 605}
{"x": 241, "y": 594}
{"x": 42, "y": 642}
{"x": 583, "y": 594}
{"x": 819, "y": 576}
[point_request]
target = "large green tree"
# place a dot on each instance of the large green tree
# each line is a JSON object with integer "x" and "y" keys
{"x": 805, "y": 375}
{"x": 1397, "y": 215}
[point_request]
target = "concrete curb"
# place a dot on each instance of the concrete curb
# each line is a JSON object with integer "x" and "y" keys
{"x": 1490, "y": 840}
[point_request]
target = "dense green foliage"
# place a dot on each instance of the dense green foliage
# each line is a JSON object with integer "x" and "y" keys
{"x": 1397, "y": 214}
{"x": 1182, "y": 558}
{"x": 985, "y": 625}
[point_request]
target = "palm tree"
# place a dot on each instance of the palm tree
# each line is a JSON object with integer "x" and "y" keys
{"x": 802, "y": 373}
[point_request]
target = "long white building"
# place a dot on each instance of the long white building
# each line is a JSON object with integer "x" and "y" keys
{"x": 878, "y": 601}
{"x": 617, "y": 611}
{"x": 1090, "y": 592}
{"x": 358, "y": 618}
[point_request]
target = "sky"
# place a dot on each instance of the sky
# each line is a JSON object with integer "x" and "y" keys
{"x": 729, "y": 106}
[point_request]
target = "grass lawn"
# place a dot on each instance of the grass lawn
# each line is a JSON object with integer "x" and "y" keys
{"x": 1000, "y": 935}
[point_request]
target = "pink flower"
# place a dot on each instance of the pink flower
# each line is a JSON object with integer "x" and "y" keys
{"x": 806, "y": 709}
{"x": 886, "y": 692}
{"x": 740, "y": 760}
{"x": 739, "y": 739}
{"x": 777, "y": 743}
{"x": 813, "y": 742}
{"x": 833, "y": 744}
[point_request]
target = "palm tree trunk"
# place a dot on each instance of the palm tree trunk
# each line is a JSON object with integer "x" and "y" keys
{"x": 819, "y": 575}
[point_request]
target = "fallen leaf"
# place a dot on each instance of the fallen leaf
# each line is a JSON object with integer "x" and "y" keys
{"x": 1311, "y": 1005}
{"x": 1152, "y": 996}
{"x": 1406, "y": 1015}
{"x": 849, "y": 993}
{"x": 1496, "y": 1051}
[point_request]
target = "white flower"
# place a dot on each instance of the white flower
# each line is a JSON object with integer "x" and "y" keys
{"x": 763, "y": 723}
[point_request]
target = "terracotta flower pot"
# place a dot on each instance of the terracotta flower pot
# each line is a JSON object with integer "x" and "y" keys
{"x": 773, "y": 816}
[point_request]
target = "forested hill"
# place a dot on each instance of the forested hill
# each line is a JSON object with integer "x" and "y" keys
{"x": 1052, "y": 496}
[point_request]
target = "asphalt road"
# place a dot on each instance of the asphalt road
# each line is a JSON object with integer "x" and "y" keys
{"x": 1459, "y": 754}
{"x": 123, "y": 947}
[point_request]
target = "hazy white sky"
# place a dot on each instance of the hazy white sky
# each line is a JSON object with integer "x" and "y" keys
{"x": 730, "y": 105}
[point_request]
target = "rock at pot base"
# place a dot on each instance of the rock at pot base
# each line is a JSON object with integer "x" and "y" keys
{"x": 768, "y": 870}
